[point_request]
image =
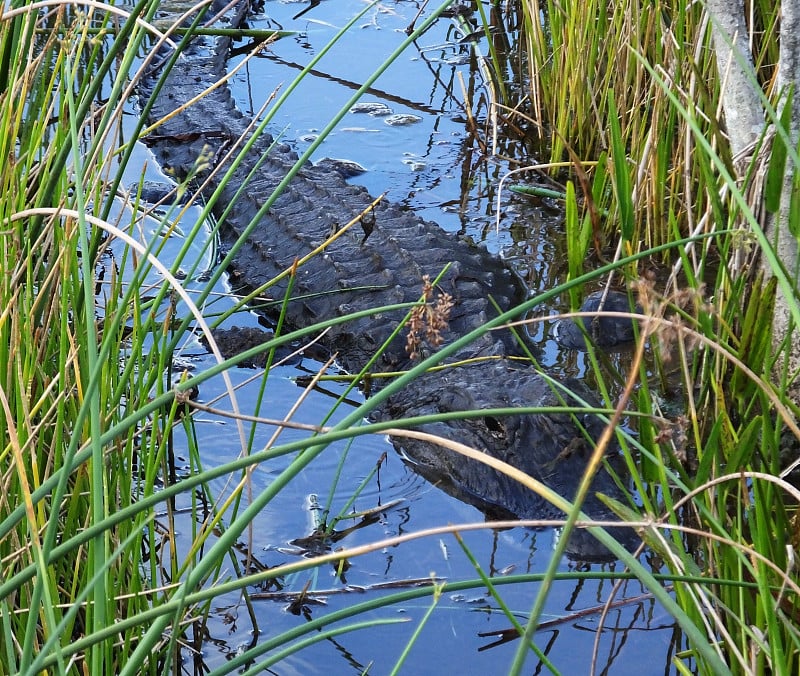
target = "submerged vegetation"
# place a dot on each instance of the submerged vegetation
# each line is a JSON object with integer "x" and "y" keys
{"x": 626, "y": 99}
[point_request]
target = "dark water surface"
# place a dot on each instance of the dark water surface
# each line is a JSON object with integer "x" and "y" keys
{"x": 434, "y": 166}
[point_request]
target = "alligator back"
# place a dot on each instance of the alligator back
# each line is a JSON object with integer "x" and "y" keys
{"x": 356, "y": 271}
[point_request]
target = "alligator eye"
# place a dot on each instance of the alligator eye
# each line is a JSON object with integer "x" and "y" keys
{"x": 494, "y": 426}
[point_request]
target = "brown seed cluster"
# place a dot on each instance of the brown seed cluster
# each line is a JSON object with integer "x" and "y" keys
{"x": 675, "y": 432}
{"x": 428, "y": 320}
{"x": 682, "y": 323}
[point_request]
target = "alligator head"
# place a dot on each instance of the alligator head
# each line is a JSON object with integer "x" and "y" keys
{"x": 551, "y": 447}
{"x": 601, "y": 330}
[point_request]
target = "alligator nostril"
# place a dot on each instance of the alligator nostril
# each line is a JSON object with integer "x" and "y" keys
{"x": 494, "y": 425}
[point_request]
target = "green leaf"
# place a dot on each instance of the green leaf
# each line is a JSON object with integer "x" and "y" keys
{"x": 794, "y": 206}
{"x": 776, "y": 170}
{"x": 576, "y": 246}
{"x": 622, "y": 182}
{"x": 756, "y": 336}
{"x": 536, "y": 191}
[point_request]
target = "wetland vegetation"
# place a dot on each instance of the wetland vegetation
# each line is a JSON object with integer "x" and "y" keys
{"x": 120, "y": 541}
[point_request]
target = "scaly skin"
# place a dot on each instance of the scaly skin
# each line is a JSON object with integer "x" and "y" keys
{"x": 386, "y": 268}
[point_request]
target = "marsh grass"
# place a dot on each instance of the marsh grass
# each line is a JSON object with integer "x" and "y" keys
{"x": 94, "y": 578}
{"x": 647, "y": 98}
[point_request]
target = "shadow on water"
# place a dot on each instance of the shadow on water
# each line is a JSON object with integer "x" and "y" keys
{"x": 440, "y": 162}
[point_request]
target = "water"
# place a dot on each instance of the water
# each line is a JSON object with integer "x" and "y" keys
{"x": 435, "y": 166}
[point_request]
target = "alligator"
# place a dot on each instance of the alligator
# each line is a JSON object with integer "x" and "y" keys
{"x": 599, "y": 329}
{"x": 381, "y": 265}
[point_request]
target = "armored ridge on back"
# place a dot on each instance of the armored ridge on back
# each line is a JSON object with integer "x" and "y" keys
{"x": 385, "y": 267}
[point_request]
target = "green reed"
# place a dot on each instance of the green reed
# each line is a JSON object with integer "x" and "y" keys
{"x": 714, "y": 460}
{"x": 94, "y": 579}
